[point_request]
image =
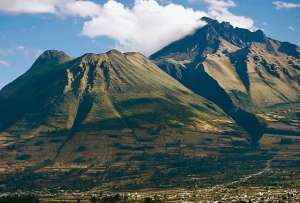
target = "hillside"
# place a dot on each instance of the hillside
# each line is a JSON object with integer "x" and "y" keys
{"x": 105, "y": 117}
{"x": 245, "y": 73}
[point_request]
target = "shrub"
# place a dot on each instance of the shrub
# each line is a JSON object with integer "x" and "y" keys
{"x": 150, "y": 200}
{"x": 81, "y": 149}
{"x": 39, "y": 142}
{"x": 23, "y": 157}
{"x": 286, "y": 141}
{"x": 79, "y": 160}
{"x": 56, "y": 140}
{"x": 19, "y": 199}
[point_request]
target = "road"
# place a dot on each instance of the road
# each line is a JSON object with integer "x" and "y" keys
{"x": 245, "y": 178}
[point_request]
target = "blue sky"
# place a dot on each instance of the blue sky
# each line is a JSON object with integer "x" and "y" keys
{"x": 27, "y": 28}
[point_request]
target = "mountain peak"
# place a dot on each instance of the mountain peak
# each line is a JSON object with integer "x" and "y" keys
{"x": 237, "y": 36}
{"x": 53, "y": 54}
{"x": 51, "y": 57}
{"x": 207, "y": 39}
{"x": 246, "y": 68}
{"x": 214, "y": 22}
{"x": 209, "y": 20}
{"x": 114, "y": 51}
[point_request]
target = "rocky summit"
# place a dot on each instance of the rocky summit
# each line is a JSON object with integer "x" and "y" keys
{"x": 218, "y": 106}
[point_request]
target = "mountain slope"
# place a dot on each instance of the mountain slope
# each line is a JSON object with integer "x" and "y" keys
{"x": 102, "y": 116}
{"x": 243, "y": 72}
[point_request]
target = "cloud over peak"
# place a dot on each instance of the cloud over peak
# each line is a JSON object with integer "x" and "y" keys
{"x": 146, "y": 26}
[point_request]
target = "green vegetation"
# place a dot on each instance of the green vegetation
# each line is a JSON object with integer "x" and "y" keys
{"x": 39, "y": 143}
{"x": 19, "y": 199}
{"x": 81, "y": 149}
{"x": 286, "y": 141}
{"x": 122, "y": 199}
{"x": 80, "y": 160}
{"x": 23, "y": 157}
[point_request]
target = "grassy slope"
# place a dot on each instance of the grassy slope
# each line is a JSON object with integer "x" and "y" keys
{"x": 109, "y": 115}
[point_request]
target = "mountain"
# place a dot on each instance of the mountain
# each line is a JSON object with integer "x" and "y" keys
{"x": 218, "y": 107}
{"x": 253, "y": 78}
{"x": 104, "y": 117}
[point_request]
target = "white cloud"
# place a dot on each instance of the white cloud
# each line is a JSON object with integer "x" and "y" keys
{"x": 30, "y": 6}
{"x": 79, "y": 8}
{"x": 285, "y": 5}
{"x": 146, "y": 26}
{"x": 149, "y": 26}
{"x": 4, "y": 63}
{"x": 219, "y": 9}
{"x": 220, "y": 4}
{"x": 292, "y": 28}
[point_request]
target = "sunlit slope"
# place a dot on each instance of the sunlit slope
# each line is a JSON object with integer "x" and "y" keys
{"x": 107, "y": 113}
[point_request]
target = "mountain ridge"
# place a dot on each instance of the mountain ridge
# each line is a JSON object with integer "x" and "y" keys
{"x": 252, "y": 70}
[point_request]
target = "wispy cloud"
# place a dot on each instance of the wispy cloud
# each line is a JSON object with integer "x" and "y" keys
{"x": 20, "y": 51}
{"x": 285, "y": 5}
{"x": 292, "y": 28}
{"x": 20, "y": 48}
{"x": 4, "y": 63}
